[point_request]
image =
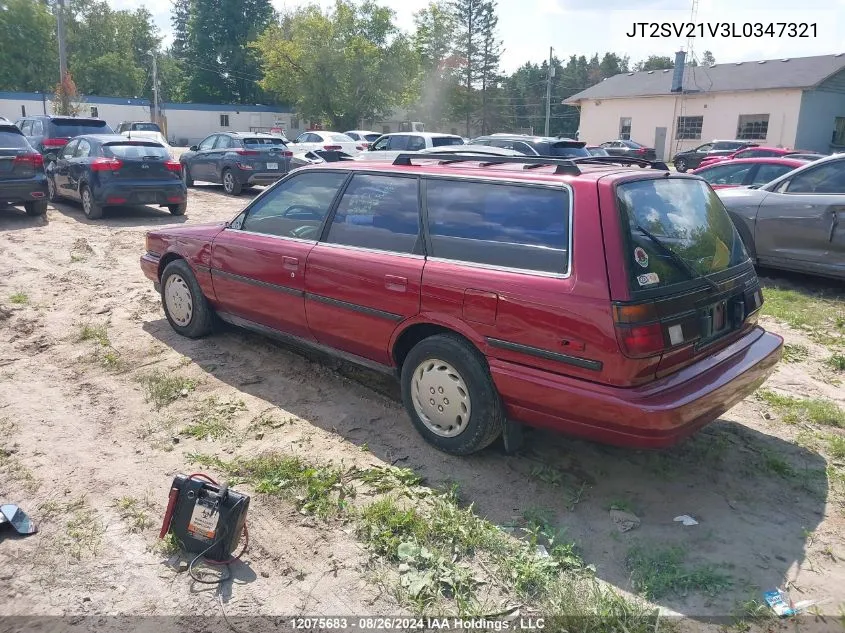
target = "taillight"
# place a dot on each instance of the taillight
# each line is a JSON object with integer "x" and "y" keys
{"x": 106, "y": 164}
{"x": 33, "y": 160}
{"x": 332, "y": 147}
{"x": 247, "y": 152}
{"x": 54, "y": 142}
{"x": 642, "y": 150}
{"x": 287, "y": 154}
{"x": 173, "y": 165}
{"x": 638, "y": 331}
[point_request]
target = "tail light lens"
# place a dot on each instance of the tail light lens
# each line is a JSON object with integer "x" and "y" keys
{"x": 638, "y": 330}
{"x": 244, "y": 166}
{"x": 106, "y": 164}
{"x": 642, "y": 150}
{"x": 287, "y": 154}
{"x": 247, "y": 152}
{"x": 34, "y": 160}
{"x": 54, "y": 142}
{"x": 173, "y": 165}
{"x": 332, "y": 147}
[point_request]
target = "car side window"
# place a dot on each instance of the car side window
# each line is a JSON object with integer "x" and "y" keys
{"x": 399, "y": 141}
{"x": 767, "y": 173}
{"x": 83, "y": 150}
{"x": 381, "y": 144}
{"x": 379, "y": 212}
{"x": 524, "y": 148}
{"x": 37, "y": 128}
{"x": 727, "y": 174}
{"x": 522, "y": 227}
{"x": 827, "y": 178}
{"x": 69, "y": 149}
{"x": 223, "y": 142}
{"x": 295, "y": 208}
{"x": 704, "y": 148}
{"x": 26, "y": 127}
{"x": 415, "y": 143}
{"x": 208, "y": 143}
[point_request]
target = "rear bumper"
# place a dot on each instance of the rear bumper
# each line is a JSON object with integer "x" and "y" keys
{"x": 24, "y": 190}
{"x": 149, "y": 266}
{"x": 652, "y": 416}
{"x": 135, "y": 192}
{"x": 264, "y": 178}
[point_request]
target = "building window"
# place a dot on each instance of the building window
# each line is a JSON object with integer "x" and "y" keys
{"x": 625, "y": 128}
{"x": 224, "y": 120}
{"x": 294, "y": 123}
{"x": 95, "y": 112}
{"x": 752, "y": 127}
{"x": 839, "y": 131}
{"x": 23, "y": 110}
{"x": 689, "y": 127}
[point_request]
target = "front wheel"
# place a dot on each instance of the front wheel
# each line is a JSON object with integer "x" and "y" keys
{"x": 231, "y": 184}
{"x": 449, "y": 395}
{"x": 185, "y": 306}
{"x": 186, "y": 175}
{"x": 681, "y": 165}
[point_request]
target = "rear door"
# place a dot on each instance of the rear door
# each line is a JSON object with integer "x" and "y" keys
{"x": 78, "y": 166}
{"x": 258, "y": 261}
{"x": 61, "y": 169}
{"x": 363, "y": 278}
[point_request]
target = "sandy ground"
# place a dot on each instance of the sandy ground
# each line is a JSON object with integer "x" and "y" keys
{"x": 78, "y": 437}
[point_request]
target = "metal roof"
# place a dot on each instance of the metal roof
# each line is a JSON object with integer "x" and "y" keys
{"x": 770, "y": 74}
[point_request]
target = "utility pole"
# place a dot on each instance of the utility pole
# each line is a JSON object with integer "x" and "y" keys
{"x": 549, "y": 89}
{"x": 60, "y": 22}
{"x": 155, "y": 88}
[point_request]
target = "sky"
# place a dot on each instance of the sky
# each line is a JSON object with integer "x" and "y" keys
{"x": 528, "y": 28}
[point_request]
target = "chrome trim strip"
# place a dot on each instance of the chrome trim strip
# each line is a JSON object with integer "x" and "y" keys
{"x": 355, "y": 307}
{"x": 277, "y": 237}
{"x": 216, "y": 272}
{"x": 577, "y": 361}
{"x": 371, "y": 250}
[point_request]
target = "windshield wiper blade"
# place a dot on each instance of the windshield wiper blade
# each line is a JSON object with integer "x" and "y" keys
{"x": 679, "y": 261}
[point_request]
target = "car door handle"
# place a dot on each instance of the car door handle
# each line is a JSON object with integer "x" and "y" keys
{"x": 397, "y": 284}
{"x": 290, "y": 263}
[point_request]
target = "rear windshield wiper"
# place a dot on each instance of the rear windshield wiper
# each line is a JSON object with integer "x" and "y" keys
{"x": 679, "y": 261}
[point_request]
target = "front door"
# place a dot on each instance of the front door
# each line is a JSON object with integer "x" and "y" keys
{"x": 200, "y": 163}
{"x": 660, "y": 142}
{"x": 258, "y": 262}
{"x": 363, "y": 279}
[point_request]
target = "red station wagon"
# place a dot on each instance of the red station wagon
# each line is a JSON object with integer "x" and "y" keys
{"x": 594, "y": 298}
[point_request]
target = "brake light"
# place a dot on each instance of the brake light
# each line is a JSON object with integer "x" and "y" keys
{"x": 106, "y": 164}
{"x": 332, "y": 147}
{"x": 245, "y": 166}
{"x": 247, "y": 152}
{"x": 642, "y": 150}
{"x": 173, "y": 165}
{"x": 54, "y": 142}
{"x": 174, "y": 198}
{"x": 115, "y": 200}
{"x": 33, "y": 160}
{"x": 639, "y": 332}
{"x": 287, "y": 154}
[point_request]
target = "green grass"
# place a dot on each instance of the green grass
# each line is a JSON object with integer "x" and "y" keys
{"x": 97, "y": 333}
{"x": 213, "y": 418}
{"x": 161, "y": 388}
{"x": 836, "y": 446}
{"x": 836, "y": 362}
{"x": 821, "y": 318}
{"x": 19, "y": 298}
{"x": 792, "y": 409}
{"x": 661, "y": 572}
{"x": 132, "y": 511}
{"x": 795, "y": 353}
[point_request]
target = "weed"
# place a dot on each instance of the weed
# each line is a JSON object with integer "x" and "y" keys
{"x": 792, "y": 409}
{"x": 621, "y": 504}
{"x": 112, "y": 360}
{"x": 168, "y": 546}
{"x": 162, "y": 388}
{"x": 793, "y": 353}
{"x": 131, "y": 511}
{"x": 98, "y": 333}
{"x": 547, "y": 474}
{"x": 265, "y": 419}
{"x": 836, "y": 361}
{"x": 76, "y": 257}
{"x": 823, "y": 319}
{"x": 539, "y": 519}
{"x": 658, "y": 573}
{"x": 83, "y": 530}
{"x": 836, "y": 446}
{"x": 19, "y": 298}
{"x": 777, "y": 465}
{"x": 213, "y": 418}
{"x": 386, "y": 478}
{"x": 14, "y": 470}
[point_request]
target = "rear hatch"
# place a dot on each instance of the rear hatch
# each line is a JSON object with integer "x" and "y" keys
{"x": 65, "y": 128}
{"x": 140, "y": 160}
{"x": 569, "y": 149}
{"x": 17, "y": 158}
{"x": 263, "y": 154}
{"x": 681, "y": 281}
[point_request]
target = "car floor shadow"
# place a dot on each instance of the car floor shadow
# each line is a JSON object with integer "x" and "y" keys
{"x": 16, "y": 219}
{"x": 756, "y": 497}
{"x": 134, "y": 215}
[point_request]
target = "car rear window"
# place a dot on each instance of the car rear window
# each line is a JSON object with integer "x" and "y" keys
{"x": 341, "y": 138}
{"x": 263, "y": 142}
{"x": 11, "y": 137}
{"x": 146, "y": 127}
{"x": 443, "y": 141}
{"x": 135, "y": 150}
{"x": 569, "y": 149}
{"x": 499, "y": 225}
{"x": 686, "y": 221}
{"x": 372, "y": 137}
{"x": 75, "y": 127}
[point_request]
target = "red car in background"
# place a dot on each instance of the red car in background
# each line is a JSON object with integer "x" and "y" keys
{"x": 750, "y": 152}
{"x": 746, "y": 172}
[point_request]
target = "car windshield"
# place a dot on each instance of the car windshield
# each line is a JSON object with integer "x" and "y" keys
{"x": 340, "y": 138}
{"x": 11, "y": 139}
{"x": 75, "y": 127}
{"x": 632, "y": 144}
{"x": 135, "y": 150}
{"x": 372, "y": 137}
{"x": 263, "y": 141}
{"x": 678, "y": 230}
{"x": 444, "y": 141}
{"x": 146, "y": 127}
{"x": 574, "y": 149}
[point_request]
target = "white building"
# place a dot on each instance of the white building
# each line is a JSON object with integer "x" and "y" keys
{"x": 113, "y": 110}
{"x": 797, "y": 103}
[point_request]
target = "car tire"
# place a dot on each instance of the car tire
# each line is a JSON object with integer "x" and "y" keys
{"x": 185, "y": 306}
{"x": 186, "y": 175}
{"x": 231, "y": 184}
{"x": 178, "y": 209}
{"x": 445, "y": 381}
{"x": 92, "y": 210}
{"x": 681, "y": 165}
{"x": 52, "y": 192}
{"x": 38, "y": 207}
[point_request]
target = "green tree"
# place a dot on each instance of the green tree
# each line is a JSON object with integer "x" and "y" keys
{"x": 468, "y": 15}
{"x": 655, "y": 62}
{"x": 491, "y": 53}
{"x": 28, "y": 49}
{"x": 707, "y": 59}
{"x": 436, "y": 83}
{"x": 341, "y": 66}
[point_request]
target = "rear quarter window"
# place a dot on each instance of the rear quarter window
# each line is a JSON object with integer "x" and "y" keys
{"x": 511, "y": 226}
{"x": 443, "y": 141}
{"x": 12, "y": 139}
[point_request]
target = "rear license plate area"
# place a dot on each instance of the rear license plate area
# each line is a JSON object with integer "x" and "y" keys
{"x": 721, "y": 318}
{"x": 272, "y": 165}
{"x": 145, "y": 197}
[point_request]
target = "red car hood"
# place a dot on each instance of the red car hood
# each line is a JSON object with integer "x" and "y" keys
{"x": 207, "y": 230}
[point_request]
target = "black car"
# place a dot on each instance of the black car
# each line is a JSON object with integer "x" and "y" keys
{"x": 237, "y": 159}
{"x": 536, "y": 145}
{"x": 102, "y": 170}
{"x": 691, "y": 158}
{"x": 22, "y": 179}
{"x": 49, "y": 133}
{"x": 631, "y": 149}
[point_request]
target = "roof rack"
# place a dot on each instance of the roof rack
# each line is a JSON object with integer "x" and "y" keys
{"x": 621, "y": 160}
{"x": 563, "y": 165}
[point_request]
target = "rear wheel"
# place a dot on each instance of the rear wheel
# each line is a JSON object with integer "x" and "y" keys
{"x": 178, "y": 209}
{"x": 449, "y": 395}
{"x": 93, "y": 211}
{"x": 35, "y": 208}
{"x": 186, "y": 175}
{"x": 681, "y": 165}
{"x": 231, "y": 184}
{"x": 185, "y": 307}
{"x": 52, "y": 194}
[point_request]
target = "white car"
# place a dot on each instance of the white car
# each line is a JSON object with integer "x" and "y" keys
{"x": 414, "y": 141}
{"x": 364, "y": 136}
{"x": 464, "y": 150}
{"x": 320, "y": 139}
{"x": 158, "y": 137}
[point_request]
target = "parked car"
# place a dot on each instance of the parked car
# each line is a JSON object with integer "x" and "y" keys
{"x": 47, "y": 133}
{"x": 692, "y": 158}
{"x": 597, "y": 150}
{"x": 22, "y": 178}
{"x": 498, "y": 295}
{"x": 744, "y": 172}
{"x": 363, "y": 137}
{"x": 535, "y": 145}
{"x": 624, "y": 147}
{"x": 751, "y": 152}
{"x": 237, "y": 160}
{"x": 807, "y": 155}
{"x": 319, "y": 139}
{"x": 482, "y": 150}
{"x": 104, "y": 170}
{"x": 797, "y": 221}
{"x": 138, "y": 126}
{"x": 414, "y": 141}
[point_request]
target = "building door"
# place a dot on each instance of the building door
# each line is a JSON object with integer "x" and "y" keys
{"x": 660, "y": 142}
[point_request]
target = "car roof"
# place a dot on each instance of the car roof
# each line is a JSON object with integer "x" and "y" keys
{"x": 424, "y": 134}
{"x": 766, "y": 160}
{"x": 360, "y": 132}
{"x": 529, "y": 139}
{"x": 109, "y": 138}
{"x": 7, "y": 126}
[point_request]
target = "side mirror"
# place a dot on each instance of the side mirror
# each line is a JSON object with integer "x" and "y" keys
{"x": 193, "y": 148}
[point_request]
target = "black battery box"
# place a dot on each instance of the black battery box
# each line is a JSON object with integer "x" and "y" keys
{"x": 205, "y": 517}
